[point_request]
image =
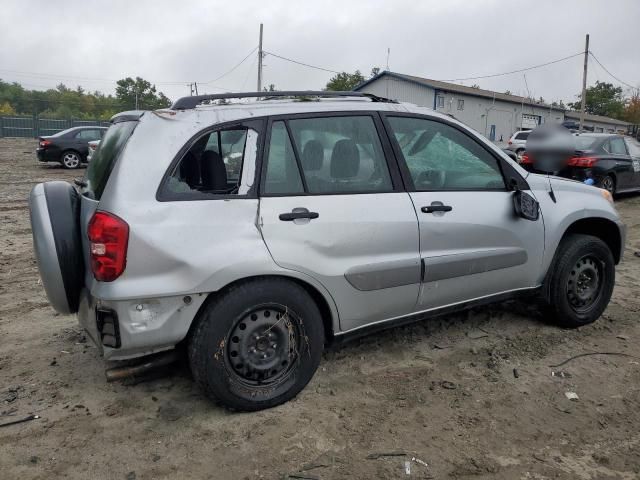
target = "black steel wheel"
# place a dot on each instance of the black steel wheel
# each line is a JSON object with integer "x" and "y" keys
{"x": 263, "y": 345}
{"x": 584, "y": 284}
{"x": 256, "y": 344}
{"x": 580, "y": 280}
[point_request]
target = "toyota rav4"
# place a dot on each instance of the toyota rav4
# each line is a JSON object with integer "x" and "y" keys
{"x": 257, "y": 232}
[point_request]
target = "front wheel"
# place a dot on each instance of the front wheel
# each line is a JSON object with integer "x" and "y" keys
{"x": 581, "y": 282}
{"x": 257, "y": 345}
{"x": 71, "y": 160}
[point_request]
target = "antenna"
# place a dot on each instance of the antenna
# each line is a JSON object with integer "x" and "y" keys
{"x": 388, "y": 55}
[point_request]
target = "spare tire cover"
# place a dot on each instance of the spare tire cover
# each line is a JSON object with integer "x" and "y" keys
{"x": 55, "y": 225}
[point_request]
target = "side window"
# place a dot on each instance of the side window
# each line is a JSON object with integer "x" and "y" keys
{"x": 88, "y": 135}
{"x": 215, "y": 164}
{"x": 441, "y": 157}
{"x": 440, "y": 101}
{"x": 617, "y": 146}
{"x": 327, "y": 155}
{"x": 522, "y": 136}
{"x": 460, "y": 104}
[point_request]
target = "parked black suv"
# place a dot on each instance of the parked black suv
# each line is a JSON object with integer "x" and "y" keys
{"x": 609, "y": 161}
{"x": 69, "y": 147}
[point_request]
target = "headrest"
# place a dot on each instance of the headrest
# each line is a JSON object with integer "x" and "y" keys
{"x": 312, "y": 156}
{"x": 345, "y": 159}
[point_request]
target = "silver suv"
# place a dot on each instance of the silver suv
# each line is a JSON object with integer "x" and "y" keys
{"x": 258, "y": 232}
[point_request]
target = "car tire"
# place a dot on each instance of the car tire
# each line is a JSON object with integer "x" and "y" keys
{"x": 608, "y": 182}
{"x": 257, "y": 344}
{"x": 581, "y": 281}
{"x": 70, "y": 159}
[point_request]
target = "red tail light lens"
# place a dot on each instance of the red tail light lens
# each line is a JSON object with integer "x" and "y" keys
{"x": 45, "y": 143}
{"x": 582, "y": 162}
{"x": 109, "y": 237}
{"x": 510, "y": 142}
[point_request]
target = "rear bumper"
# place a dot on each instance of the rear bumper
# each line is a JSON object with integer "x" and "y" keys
{"x": 46, "y": 155}
{"x": 141, "y": 326}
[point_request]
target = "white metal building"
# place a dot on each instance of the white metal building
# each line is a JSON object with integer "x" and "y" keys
{"x": 495, "y": 115}
{"x": 595, "y": 123}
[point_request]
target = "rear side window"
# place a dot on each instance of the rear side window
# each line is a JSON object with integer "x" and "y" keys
{"x": 522, "y": 136}
{"x": 326, "y": 155}
{"x": 617, "y": 147}
{"x": 220, "y": 162}
{"x": 88, "y": 135}
{"x": 105, "y": 157}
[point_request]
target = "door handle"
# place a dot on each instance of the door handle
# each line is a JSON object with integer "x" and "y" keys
{"x": 290, "y": 217}
{"x": 436, "y": 208}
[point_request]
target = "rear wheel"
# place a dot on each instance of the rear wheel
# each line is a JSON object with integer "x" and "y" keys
{"x": 257, "y": 345}
{"x": 608, "y": 183}
{"x": 70, "y": 159}
{"x": 582, "y": 280}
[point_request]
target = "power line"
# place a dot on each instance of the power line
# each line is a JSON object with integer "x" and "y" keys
{"x": 301, "y": 63}
{"x": 513, "y": 71}
{"x": 231, "y": 70}
{"x": 605, "y": 69}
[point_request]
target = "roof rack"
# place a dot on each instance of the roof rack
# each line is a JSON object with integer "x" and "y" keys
{"x": 186, "y": 103}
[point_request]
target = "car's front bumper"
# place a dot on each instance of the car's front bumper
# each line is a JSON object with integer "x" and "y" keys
{"x": 132, "y": 328}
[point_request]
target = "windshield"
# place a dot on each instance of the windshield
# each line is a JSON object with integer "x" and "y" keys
{"x": 105, "y": 157}
{"x": 585, "y": 143}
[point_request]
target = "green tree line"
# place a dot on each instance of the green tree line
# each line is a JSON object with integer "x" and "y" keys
{"x": 64, "y": 102}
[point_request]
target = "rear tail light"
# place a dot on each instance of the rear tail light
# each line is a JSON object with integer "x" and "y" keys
{"x": 582, "y": 162}
{"x": 109, "y": 238}
{"x": 526, "y": 159}
{"x": 45, "y": 143}
{"x": 92, "y": 147}
{"x": 510, "y": 142}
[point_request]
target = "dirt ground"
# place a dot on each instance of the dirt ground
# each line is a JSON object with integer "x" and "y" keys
{"x": 464, "y": 396}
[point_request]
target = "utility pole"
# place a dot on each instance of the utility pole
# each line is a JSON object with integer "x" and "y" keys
{"x": 136, "y": 99}
{"x": 260, "y": 61}
{"x": 195, "y": 85}
{"x": 584, "y": 83}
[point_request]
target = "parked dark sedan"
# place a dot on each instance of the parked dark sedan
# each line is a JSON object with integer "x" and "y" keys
{"x": 69, "y": 147}
{"x": 608, "y": 161}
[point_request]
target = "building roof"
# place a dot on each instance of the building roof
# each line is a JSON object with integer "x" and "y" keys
{"x": 452, "y": 87}
{"x": 573, "y": 115}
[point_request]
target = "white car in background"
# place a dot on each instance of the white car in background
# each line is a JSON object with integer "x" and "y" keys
{"x": 517, "y": 143}
{"x": 93, "y": 144}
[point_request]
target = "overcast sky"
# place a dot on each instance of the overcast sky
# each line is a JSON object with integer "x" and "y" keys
{"x": 172, "y": 43}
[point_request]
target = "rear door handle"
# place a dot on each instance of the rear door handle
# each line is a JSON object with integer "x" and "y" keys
{"x": 290, "y": 217}
{"x": 436, "y": 208}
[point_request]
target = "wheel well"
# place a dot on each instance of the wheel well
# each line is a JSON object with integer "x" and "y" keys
{"x": 604, "y": 229}
{"x": 318, "y": 298}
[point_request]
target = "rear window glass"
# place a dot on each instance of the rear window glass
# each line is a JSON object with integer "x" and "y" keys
{"x": 585, "y": 143}
{"x": 522, "y": 135}
{"x": 105, "y": 157}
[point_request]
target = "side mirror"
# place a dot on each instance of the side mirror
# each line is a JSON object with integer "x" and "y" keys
{"x": 526, "y": 206}
{"x": 550, "y": 146}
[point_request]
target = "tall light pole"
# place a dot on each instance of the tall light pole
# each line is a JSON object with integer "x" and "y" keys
{"x": 260, "y": 61}
{"x": 584, "y": 83}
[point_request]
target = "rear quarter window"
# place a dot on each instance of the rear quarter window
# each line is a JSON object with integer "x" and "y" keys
{"x": 105, "y": 158}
